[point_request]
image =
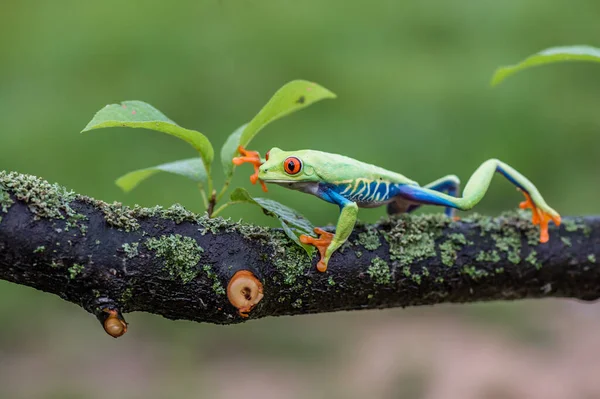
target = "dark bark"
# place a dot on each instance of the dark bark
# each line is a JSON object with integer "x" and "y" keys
{"x": 106, "y": 256}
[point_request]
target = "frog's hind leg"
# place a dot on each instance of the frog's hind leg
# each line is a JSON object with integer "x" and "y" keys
{"x": 447, "y": 184}
{"x": 476, "y": 188}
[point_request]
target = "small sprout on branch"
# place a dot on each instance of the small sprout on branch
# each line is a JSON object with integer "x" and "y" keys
{"x": 244, "y": 291}
{"x": 114, "y": 324}
{"x": 293, "y": 96}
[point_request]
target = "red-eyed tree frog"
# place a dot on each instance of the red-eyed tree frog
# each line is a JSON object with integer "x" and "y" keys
{"x": 352, "y": 184}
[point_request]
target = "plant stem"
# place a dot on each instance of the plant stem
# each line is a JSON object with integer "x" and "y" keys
{"x": 219, "y": 209}
{"x": 211, "y": 203}
{"x": 213, "y": 195}
{"x": 224, "y": 189}
{"x": 203, "y": 194}
{"x": 210, "y": 183}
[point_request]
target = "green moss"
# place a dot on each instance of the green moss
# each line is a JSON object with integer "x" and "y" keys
{"x": 449, "y": 248}
{"x": 5, "y": 200}
{"x": 379, "y": 271}
{"x": 178, "y": 214}
{"x": 127, "y": 295}
{"x": 416, "y": 278}
{"x": 330, "y": 281}
{"x": 412, "y": 238}
{"x": 369, "y": 239}
{"x": 131, "y": 250}
{"x": 119, "y": 216}
{"x": 439, "y": 280}
{"x": 533, "y": 237}
{"x": 180, "y": 254}
{"x": 570, "y": 225}
{"x": 291, "y": 261}
{"x": 506, "y": 229}
{"x": 510, "y": 243}
{"x": 218, "y": 225}
{"x": 486, "y": 224}
{"x": 591, "y": 258}
{"x": 566, "y": 241}
{"x": 358, "y": 254}
{"x": 252, "y": 232}
{"x": 488, "y": 256}
{"x": 39, "y": 249}
{"x": 532, "y": 258}
{"x": 574, "y": 224}
{"x": 216, "y": 286}
{"x": 125, "y": 218}
{"x": 297, "y": 304}
{"x": 75, "y": 270}
{"x": 212, "y": 225}
{"x": 474, "y": 273}
{"x": 77, "y": 221}
{"x": 499, "y": 270}
{"x": 43, "y": 199}
{"x": 447, "y": 253}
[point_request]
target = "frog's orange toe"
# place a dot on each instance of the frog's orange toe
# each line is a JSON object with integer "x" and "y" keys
{"x": 321, "y": 244}
{"x": 540, "y": 217}
{"x": 321, "y": 266}
{"x": 252, "y": 157}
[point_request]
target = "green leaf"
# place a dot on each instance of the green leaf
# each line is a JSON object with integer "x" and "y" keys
{"x": 138, "y": 114}
{"x": 230, "y": 148}
{"x": 292, "y": 222}
{"x": 294, "y": 234}
{"x": 292, "y": 97}
{"x": 548, "y": 56}
{"x": 191, "y": 168}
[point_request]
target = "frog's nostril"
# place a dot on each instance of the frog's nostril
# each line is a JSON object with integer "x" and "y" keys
{"x": 265, "y": 170}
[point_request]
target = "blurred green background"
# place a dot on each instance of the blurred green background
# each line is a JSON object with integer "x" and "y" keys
{"x": 412, "y": 80}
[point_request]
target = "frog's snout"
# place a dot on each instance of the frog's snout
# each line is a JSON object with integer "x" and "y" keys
{"x": 262, "y": 171}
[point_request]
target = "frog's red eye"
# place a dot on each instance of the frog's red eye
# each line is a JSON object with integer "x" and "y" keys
{"x": 267, "y": 155}
{"x": 292, "y": 165}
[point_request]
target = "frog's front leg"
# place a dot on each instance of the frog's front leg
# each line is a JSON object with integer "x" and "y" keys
{"x": 327, "y": 242}
{"x": 252, "y": 157}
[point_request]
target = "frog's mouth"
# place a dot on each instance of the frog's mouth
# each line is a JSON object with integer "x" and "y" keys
{"x": 282, "y": 181}
{"x": 304, "y": 186}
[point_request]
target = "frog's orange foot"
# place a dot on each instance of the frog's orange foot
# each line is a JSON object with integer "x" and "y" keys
{"x": 321, "y": 243}
{"x": 539, "y": 216}
{"x": 252, "y": 157}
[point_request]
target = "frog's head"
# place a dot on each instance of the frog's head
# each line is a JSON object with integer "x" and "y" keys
{"x": 288, "y": 167}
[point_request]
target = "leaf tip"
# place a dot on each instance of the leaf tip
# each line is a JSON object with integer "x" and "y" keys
{"x": 123, "y": 186}
{"x": 498, "y": 76}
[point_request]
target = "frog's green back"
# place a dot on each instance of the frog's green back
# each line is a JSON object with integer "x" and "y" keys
{"x": 335, "y": 168}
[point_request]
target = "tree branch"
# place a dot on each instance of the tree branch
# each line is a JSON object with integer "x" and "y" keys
{"x": 111, "y": 259}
